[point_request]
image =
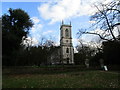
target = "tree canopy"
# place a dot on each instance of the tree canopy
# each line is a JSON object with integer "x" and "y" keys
{"x": 15, "y": 25}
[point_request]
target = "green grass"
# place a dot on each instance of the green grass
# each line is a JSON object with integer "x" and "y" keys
{"x": 59, "y": 78}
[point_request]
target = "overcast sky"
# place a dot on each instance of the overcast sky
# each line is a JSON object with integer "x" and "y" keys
{"x": 48, "y": 14}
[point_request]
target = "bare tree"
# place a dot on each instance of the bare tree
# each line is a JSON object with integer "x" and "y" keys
{"x": 106, "y": 19}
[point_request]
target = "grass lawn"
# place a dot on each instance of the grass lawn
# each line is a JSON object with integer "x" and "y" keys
{"x": 59, "y": 78}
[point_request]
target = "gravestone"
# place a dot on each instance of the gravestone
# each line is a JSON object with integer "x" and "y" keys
{"x": 105, "y": 67}
{"x": 87, "y": 62}
{"x": 101, "y": 63}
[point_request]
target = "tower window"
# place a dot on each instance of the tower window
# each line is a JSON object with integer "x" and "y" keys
{"x": 66, "y": 33}
{"x": 67, "y": 50}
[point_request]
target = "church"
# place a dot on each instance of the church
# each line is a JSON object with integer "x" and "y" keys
{"x": 63, "y": 54}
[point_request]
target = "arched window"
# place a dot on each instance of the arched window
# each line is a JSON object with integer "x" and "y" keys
{"x": 67, "y": 50}
{"x": 66, "y": 33}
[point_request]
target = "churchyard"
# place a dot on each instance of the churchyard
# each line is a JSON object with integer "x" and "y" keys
{"x": 59, "y": 77}
{"x": 40, "y": 59}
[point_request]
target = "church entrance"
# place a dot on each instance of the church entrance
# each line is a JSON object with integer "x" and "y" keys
{"x": 67, "y": 60}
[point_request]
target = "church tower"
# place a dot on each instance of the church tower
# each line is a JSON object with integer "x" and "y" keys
{"x": 67, "y": 51}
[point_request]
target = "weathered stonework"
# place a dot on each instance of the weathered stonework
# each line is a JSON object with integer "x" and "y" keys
{"x": 67, "y": 50}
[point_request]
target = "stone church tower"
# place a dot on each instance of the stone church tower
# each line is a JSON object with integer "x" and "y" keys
{"x": 67, "y": 51}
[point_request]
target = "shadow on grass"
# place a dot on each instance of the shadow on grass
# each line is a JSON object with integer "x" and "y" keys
{"x": 47, "y": 69}
{"x": 43, "y": 70}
